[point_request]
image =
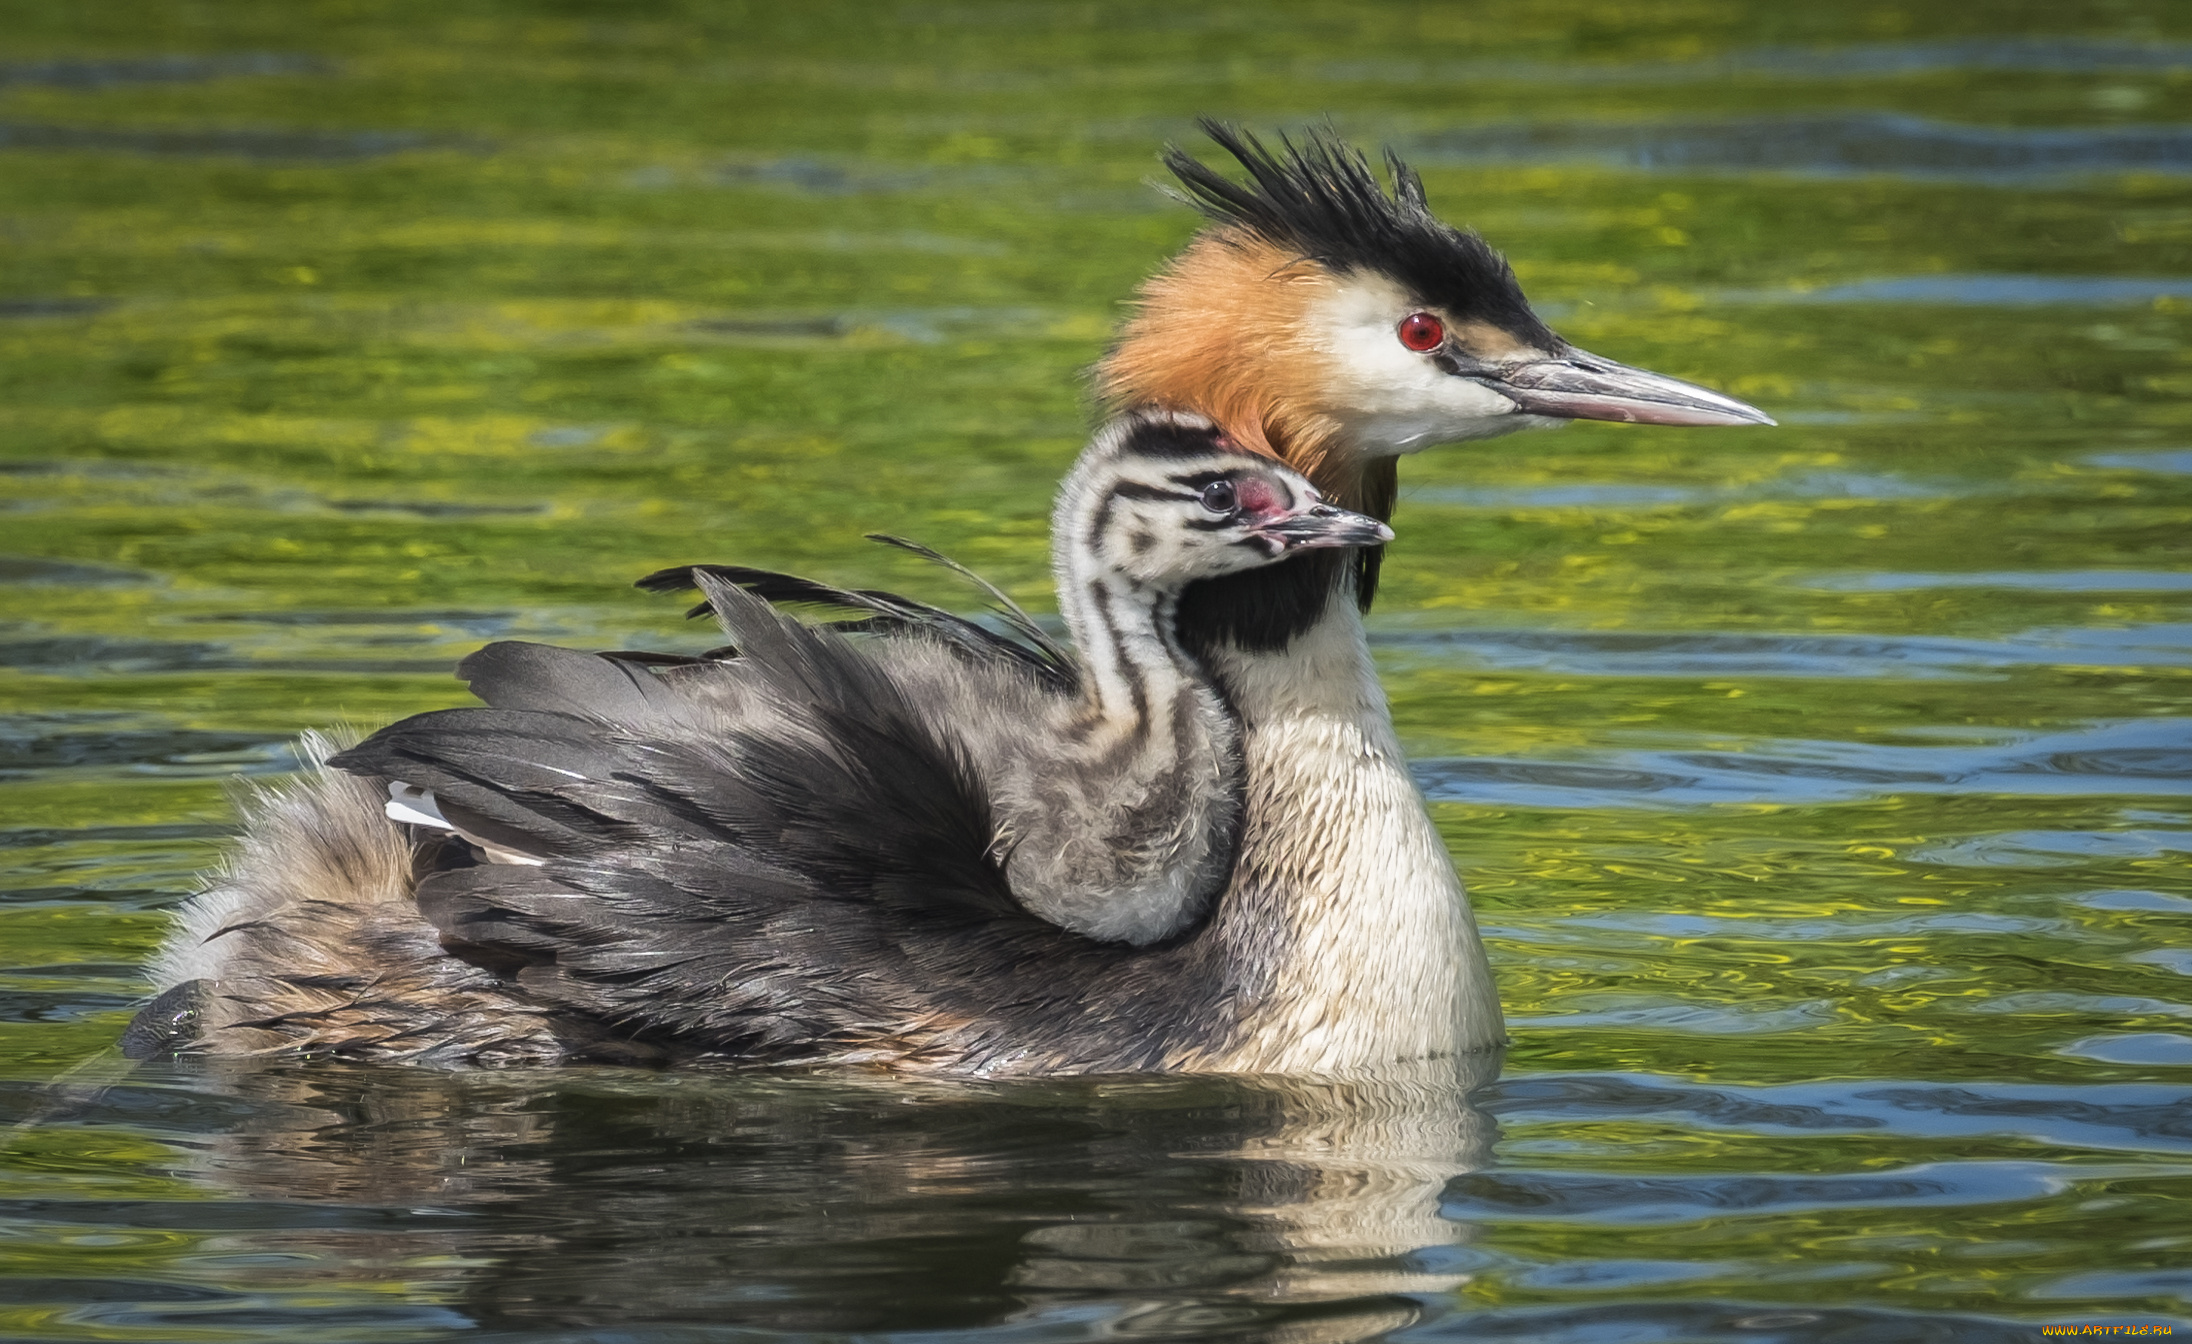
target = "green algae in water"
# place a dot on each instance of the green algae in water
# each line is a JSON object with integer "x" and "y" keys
{"x": 1822, "y": 790}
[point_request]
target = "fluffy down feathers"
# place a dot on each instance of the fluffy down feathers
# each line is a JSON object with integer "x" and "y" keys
{"x": 307, "y": 941}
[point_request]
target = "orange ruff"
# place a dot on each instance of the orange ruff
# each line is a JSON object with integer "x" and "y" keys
{"x": 1222, "y": 331}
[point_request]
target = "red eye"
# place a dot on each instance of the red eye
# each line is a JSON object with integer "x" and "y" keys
{"x": 1421, "y": 331}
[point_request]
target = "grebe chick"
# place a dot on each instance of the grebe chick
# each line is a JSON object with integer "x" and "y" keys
{"x": 820, "y": 850}
{"x": 1112, "y": 776}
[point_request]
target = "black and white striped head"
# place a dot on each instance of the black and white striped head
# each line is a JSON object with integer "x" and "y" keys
{"x": 1164, "y": 498}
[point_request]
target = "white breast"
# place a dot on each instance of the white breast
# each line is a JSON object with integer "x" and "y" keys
{"x": 1382, "y": 959}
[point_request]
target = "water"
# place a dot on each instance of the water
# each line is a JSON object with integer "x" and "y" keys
{"x": 1823, "y": 790}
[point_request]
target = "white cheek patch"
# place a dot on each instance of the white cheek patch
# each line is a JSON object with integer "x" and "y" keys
{"x": 1394, "y": 399}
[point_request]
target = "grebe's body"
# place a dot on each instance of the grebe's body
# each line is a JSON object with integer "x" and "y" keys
{"x": 1318, "y": 321}
{"x": 936, "y": 848}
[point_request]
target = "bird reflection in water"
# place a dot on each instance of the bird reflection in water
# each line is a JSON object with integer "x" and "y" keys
{"x": 1188, "y": 1207}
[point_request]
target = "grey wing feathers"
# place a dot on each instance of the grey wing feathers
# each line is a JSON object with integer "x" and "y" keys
{"x": 516, "y": 675}
{"x": 752, "y": 891}
{"x": 1029, "y": 645}
{"x": 546, "y": 782}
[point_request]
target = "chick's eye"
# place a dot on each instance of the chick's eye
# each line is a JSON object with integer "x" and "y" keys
{"x": 1422, "y": 332}
{"x": 1218, "y": 497}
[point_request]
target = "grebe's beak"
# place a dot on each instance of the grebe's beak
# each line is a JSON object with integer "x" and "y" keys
{"x": 1578, "y": 385}
{"x": 1316, "y": 525}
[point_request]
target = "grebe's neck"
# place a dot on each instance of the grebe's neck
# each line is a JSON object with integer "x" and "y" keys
{"x": 1341, "y": 873}
{"x": 1119, "y": 820}
{"x": 1135, "y": 675}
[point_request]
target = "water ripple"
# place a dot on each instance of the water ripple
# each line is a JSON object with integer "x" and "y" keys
{"x": 1641, "y": 653}
{"x": 1830, "y": 146}
{"x": 256, "y": 144}
{"x": 2043, "y": 581}
{"x": 1612, "y": 494}
{"x": 2065, "y": 55}
{"x": 2051, "y": 849}
{"x": 2102, "y": 1117}
{"x": 1984, "y": 291}
{"x": 1732, "y": 1019}
{"x": 2141, "y": 1047}
{"x": 2165, "y": 461}
{"x": 1571, "y": 1196}
{"x": 176, "y": 69}
{"x": 1708, "y": 1321}
{"x": 26, "y": 750}
{"x": 2143, "y": 756}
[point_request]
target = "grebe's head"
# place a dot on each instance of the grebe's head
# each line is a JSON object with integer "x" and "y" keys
{"x": 1164, "y": 498}
{"x": 1338, "y": 327}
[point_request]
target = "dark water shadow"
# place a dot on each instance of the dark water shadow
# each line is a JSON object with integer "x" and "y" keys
{"x": 1878, "y": 60}
{"x": 2038, "y": 581}
{"x": 1985, "y": 291}
{"x": 35, "y": 569}
{"x": 1650, "y": 495}
{"x": 92, "y": 654}
{"x": 821, "y": 177}
{"x": 33, "y": 306}
{"x": 85, "y": 653}
{"x": 428, "y": 508}
{"x": 176, "y": 69}
{"x": 813, "y": 176}
{"x": 2060, "y": 55}
{"x": 1841, "y": 145}
{"x": 159, "y": 751}
{"x": 661, "y": 1205}
{"x": 243, "y": 143}
{"x": 826, "y": 326}
{"x": 921, "y": 326}
{"x": 483, "y": 623}
{"x": 35, "y": 837}
{"x": 66, "y": 992}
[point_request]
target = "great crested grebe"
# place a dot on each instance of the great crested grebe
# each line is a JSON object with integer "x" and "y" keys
{"x": 1342, "y": 328}
{"x": 1318, "y": 320}
{"x": 806, "y": 848}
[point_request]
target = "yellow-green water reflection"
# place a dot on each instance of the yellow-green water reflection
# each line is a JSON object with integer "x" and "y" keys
{"x": 1823, "y": 790}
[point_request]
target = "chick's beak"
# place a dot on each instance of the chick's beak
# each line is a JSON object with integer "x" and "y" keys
{"x": 1321, "y": 525}
{"x": 1578, "y": 385}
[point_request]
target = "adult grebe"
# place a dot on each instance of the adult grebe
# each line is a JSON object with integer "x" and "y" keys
{"x": 1341, "y": 328}
{"x": 819, "y": 849}
{"x": 1318, "y": 319}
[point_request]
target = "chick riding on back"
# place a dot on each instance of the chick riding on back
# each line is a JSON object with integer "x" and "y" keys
{"x": 822, "y": 848}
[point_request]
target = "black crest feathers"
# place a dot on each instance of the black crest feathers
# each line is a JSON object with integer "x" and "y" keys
{"x": 1319, "y": 199}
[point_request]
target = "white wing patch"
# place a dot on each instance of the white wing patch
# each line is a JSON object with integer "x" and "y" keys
{"x": 410, "y": 805}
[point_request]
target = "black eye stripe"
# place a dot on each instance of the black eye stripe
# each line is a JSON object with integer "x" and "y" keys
{"x": 1137, "y": 490}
